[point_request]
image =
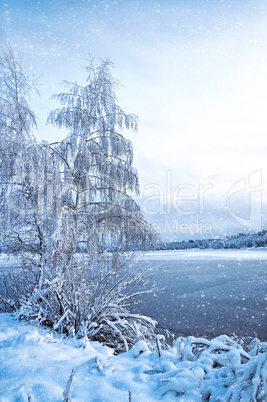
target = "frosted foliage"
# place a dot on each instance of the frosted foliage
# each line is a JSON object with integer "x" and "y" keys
{"x": 97, "y": 160}
{"x": 94, "y": 118}
{"x": 32, "y": 193}
{"x": 16, "y": 117}
{"x": 16, "y": 120}
{"x": 64, "y": 244}
{"x": 35, "y": 179}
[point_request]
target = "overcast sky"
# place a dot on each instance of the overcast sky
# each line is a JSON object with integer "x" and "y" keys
{"x": 195, "y": 72}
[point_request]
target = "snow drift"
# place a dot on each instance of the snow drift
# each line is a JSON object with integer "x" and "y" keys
{"x": 39, "y": 365}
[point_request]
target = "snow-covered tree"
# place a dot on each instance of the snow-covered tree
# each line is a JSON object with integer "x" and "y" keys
{"x": 16, "y": 118}
{"x": 99, "y": 217}
{"x": 97, "y": 161}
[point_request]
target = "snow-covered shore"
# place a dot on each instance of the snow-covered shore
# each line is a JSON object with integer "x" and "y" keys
{"x": 206, "y": 254}
{"x": 36, "y": 365}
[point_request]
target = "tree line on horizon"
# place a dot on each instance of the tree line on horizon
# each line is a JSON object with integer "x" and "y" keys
{"x": 241, "y": 240}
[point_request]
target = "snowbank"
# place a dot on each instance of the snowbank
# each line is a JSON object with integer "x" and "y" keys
{"x": 37, "y": 365}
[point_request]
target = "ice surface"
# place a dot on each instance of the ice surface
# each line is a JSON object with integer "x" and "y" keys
{"x": 207, "y": 292}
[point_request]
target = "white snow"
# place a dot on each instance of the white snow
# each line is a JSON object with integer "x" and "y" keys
{"x": 36, "y": 365}
{"x": 196, "y": 254}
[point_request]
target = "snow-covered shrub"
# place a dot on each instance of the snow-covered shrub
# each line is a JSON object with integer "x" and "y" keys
{"x": 15, "y": 285}
{"x": 220, "y": 369}
{"x": 91, "y": 304}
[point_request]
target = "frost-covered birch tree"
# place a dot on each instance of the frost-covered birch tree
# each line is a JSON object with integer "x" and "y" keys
{"x": 99, "y": 217}
{"x": 97, "y": 162}
{"x": 16, "y": 119}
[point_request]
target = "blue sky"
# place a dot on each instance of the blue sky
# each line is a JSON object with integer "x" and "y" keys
{"x": 195, "y": 72}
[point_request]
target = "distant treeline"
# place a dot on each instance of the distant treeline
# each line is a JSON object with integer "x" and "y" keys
{"x": 238, "y": 241}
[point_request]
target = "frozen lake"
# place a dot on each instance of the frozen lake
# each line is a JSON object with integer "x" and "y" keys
{"x": 203, "y": 292}
{"x": 208, "y": 292}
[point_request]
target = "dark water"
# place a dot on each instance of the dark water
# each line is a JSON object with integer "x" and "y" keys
{"x": 207, "y": 298}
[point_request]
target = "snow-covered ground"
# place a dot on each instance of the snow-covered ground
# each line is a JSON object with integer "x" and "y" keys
{"x": 36, "y": 365}
{"x": 196, "y": 254}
